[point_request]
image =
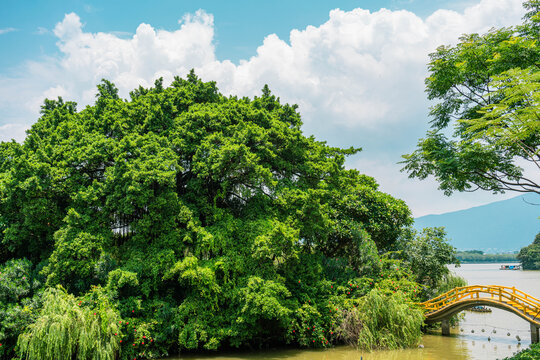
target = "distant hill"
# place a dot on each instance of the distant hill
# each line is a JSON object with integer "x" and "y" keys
{"x": 501, "y": 226}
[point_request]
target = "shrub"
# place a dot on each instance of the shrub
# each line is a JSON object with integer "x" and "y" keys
{"x": 382, "y": 322}
{"x": 67, "y": 329}
{"x": 532, "y": 353}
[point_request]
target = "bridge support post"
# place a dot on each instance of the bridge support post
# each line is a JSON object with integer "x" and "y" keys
{"x": 534, "y": 334}
{"x": 445, "y": 327}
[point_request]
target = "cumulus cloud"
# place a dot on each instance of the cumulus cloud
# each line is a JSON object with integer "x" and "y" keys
{"x": 358, "y": 77}
{"x": 358, "y": 69}
{"x": 139, "y": 60}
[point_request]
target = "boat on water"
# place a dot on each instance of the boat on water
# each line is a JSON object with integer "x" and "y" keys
{"x": 510, "y": 267}
{"x": 480, "y": 308}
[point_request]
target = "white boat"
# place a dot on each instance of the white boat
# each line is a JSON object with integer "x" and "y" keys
{"x": 510, "y": 267}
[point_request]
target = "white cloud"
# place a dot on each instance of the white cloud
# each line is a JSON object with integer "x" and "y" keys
{"x": 138, "y": 60}
{"x": 14, "y": 131}
{"x": 7, "y": 30}
{"x": 122, "y": 34}
{"x": 358, "y": 78}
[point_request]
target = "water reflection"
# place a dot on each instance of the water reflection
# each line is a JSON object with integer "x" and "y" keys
{"x": 435, "y": 347}
{"x": 505, "y": 333}
{"x": 454, "y": 347}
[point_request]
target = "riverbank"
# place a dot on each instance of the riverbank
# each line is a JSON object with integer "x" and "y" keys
{"x": 466, "y": 342}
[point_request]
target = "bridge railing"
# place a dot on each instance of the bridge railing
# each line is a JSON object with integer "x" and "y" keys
{"x": 502, "y": 294}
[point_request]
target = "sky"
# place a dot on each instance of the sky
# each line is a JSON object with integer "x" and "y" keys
{"x": 356, "y": 68}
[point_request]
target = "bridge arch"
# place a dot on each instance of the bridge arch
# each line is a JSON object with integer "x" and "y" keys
{"x": 441, "y": 308}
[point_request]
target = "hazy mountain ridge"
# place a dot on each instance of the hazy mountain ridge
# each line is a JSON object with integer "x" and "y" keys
{"x": 501, "y": 226}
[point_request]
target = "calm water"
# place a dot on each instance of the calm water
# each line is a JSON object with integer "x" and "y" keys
{"x": 463, "y": 344}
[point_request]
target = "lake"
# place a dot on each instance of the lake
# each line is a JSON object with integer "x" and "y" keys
{"x": 469, "y": 341}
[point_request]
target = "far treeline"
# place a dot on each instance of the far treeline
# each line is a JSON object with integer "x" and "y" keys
{"x": 529, "y": 256}
{"x": 477, "y": 256}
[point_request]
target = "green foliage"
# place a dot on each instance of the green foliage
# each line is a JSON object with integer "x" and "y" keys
{"x": 19, "y": 300}
{"x": 75, "y": 255}
{"x": 66, "y": 329}
{"x": 532, "y": 353}
{"x": 202, "y": 221}
{"x": 264, "y": 306}
{"x": 16, "y": 280}
{"x": 119, "y": 279}
{"x": 427, "y": 254}
{"x": 449, "y": 282}
{"x": 479, "y": 252}
{"x": 387, "y": 321}
{"x": 529, "y": 256}
{"x": 488, "y": 90}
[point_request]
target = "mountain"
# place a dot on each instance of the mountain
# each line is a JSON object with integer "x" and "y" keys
{"x": 501, "y": 226}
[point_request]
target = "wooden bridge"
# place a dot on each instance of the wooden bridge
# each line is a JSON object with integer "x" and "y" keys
{"x": 444, "y": 306}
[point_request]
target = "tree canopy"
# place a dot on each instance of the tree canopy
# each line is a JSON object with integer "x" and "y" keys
{"x": 488, "y": 91}
{"x": 196, "y": 220}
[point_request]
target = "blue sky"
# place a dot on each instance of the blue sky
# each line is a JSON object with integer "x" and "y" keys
{"x": 240, "y": 25}
{"x": 355, "y": 70}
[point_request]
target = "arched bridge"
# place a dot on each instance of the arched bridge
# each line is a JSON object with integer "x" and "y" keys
{"x": 511, "y": 299}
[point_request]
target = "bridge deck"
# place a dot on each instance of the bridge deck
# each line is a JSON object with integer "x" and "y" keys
{"x": 461, "y": 298}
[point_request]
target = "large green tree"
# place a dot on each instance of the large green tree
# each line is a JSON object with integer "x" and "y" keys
{"x": 207, "y": 221}
{"x": 485, "y": 124}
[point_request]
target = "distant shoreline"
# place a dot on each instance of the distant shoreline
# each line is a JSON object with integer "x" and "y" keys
{"x": 473, "y": 257}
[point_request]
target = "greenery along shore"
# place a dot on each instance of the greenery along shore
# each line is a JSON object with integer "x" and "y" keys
{"x": 531, "y": 353}
{"x": 529, "y": 256}
{"x": 477, "y": 256}
{"x": 182, "y": 219}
